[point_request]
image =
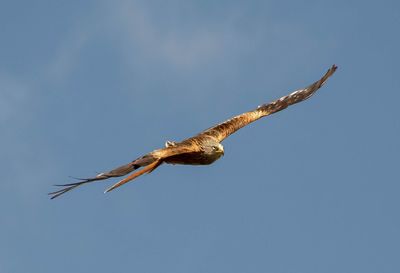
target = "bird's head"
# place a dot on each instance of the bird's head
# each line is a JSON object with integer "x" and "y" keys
{"x": 215, "y": 149}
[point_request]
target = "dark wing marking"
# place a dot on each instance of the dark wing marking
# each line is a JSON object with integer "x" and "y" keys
{"x": 223, "y": 130}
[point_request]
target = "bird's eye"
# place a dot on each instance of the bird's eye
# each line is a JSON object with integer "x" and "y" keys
{"x": 214, "y": 148}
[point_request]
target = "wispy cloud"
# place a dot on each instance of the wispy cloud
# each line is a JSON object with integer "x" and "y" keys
{"x": 183, "y": 49}
{"x": 67, "y": 55}
{"x": 13, "y": 96}
{"x": 26, "y": 160}
{"x": 23, "y": 170}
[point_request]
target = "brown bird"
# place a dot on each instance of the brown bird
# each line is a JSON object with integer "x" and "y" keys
{"x": 202, "y": 149}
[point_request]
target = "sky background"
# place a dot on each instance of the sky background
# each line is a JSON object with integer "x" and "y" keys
{"x": 86, "y": 86}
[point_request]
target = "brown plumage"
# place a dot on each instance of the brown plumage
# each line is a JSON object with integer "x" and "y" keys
{"x": 202, "y": 149}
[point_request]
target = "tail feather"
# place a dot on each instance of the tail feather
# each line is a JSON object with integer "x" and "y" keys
{"x": 148, "y": 169}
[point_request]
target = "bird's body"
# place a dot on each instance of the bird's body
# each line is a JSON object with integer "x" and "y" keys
{"x": 193, "y": 158}
{"x": 202, "y": 149}
{"x": 208, "y": 150}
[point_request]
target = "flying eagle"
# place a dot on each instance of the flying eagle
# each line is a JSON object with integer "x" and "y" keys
{"x": 202, "y": 149}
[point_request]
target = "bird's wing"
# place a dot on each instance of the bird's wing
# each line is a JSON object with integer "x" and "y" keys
{"x": 117, "y": 172}
{"x": 223, "y": 130}
{"x": 149, "y": 162}
{"x": 161, "y": 155}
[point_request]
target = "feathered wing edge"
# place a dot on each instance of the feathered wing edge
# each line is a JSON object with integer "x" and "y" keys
{"x": 149, "y": 163}
{"x": 228, "y": 127}
{"x": 120, "y": 171}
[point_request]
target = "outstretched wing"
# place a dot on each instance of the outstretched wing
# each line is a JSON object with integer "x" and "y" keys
{"x": 149, "y": 162}
{"x": 161, "y": 155}
{"x": 117, "y": 172}
{"x": 223, "y": 130}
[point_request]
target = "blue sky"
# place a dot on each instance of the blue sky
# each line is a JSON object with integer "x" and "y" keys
{"x": 87, "y": 86}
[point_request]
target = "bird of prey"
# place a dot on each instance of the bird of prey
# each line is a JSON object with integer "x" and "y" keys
{"x": 202, "y": 149}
